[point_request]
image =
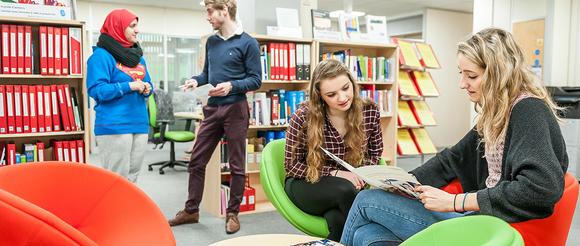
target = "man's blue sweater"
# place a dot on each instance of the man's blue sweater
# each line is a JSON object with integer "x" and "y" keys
{"x": 235, "y": 60}
{"x": 119, "y": 110}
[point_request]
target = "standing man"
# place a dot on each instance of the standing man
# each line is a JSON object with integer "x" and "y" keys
{"x": 232, "y": 65}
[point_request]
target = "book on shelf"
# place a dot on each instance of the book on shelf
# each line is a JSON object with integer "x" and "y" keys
{"x": 407, "y": 54}
{"x": 422, "y": 113}
{"x": 405, "y": 115}
{"x": 363, "y": 68}
{"x": 424, "y": 84}
{"x": 284, "y": 61}
{"x": 423, "y": 141}
{"x": 322, "y": 26}
{"x": 388, "y": 178}
{"x": 274, "y": 107}
{"x": 57, "y": 50}
{"x": 38, "y": 108}
{"x": 427, "y": 55}
{"x": 405, "y": 143}
{"x": 406, "y": 85}
{"x": 383, "y": 98}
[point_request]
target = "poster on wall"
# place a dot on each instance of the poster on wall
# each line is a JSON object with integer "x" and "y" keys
{"x": 45, "y": 9}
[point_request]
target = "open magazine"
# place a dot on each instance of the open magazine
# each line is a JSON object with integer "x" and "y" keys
{"x": 389, "y": 178}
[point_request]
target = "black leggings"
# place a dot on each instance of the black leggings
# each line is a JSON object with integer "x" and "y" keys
{"x": 331, "y": 198}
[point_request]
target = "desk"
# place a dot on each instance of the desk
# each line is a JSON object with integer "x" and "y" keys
{"x": 268, "y": 240}
{"x": 198, "y": 116}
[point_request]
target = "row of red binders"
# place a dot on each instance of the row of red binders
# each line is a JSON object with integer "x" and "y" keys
{"x": 59, "y": 50}
{"x": 62, "y": 150}
{"x": 38, "y": 108}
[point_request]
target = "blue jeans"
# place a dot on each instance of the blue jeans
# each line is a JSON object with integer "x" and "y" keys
{"x": 378, "y": 217}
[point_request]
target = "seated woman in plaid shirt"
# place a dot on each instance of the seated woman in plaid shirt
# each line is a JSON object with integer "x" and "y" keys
{"x": 339, "y": 120}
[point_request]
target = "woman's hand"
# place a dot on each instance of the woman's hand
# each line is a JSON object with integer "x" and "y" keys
{"x": 137, "y": 85}
{"x": 147, "y": 89}
{"x": 435, "y": 199}
{"x": 355, "y": 180}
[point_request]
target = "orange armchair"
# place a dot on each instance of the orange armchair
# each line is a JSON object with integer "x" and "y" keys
{"x": 552, "y": 230}
{"x": 59, "y": 203}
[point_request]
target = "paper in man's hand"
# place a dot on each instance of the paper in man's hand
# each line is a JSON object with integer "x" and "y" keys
{"x": 202, "y": 92}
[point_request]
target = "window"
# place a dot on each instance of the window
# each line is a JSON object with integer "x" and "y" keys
{"x": 170, "y": 61}
{"x": 182, "y": 63}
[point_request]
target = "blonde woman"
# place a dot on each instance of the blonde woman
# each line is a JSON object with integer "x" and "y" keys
{"x": 337, "y": 119}
{"x": 512, "y": 162}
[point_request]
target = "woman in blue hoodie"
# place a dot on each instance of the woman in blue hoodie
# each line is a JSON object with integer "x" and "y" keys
{"x": 118, "y": 81}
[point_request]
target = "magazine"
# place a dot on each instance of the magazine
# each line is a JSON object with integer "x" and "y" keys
{"x": 322, "y": 242}
{"x": 389, "y": 178}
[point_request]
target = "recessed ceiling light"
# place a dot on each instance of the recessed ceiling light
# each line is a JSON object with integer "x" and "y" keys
{"x": 337, "y": 13}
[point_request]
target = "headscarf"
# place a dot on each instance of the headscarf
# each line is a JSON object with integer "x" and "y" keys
{"x": 116, "y": 23}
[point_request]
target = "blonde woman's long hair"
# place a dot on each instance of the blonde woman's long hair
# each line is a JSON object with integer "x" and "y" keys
{"x": 506, "y": 76}
{"x": 317, "y": 110}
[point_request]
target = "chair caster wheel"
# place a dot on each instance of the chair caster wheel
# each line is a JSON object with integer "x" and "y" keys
{"x": 161, "y": 172}
{"x": 150, "y": 168}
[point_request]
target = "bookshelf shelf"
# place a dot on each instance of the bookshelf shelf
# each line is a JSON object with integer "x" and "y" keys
{"x": 43, "y": 134}
{"x": 247, "y": 172}
{"x": 279, "y": 127}
{"x": 375, "y": 82}
{"x": 285, "y": 81}
{"x": 356, "y": 44}
{"x": 265, "y": 38}
{"x": 35, "y": 21}
{"x": 38, "y": 76}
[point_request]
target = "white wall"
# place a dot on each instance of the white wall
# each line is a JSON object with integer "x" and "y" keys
{"x": 443, "y": 30}
{"x": 151, "y": 19}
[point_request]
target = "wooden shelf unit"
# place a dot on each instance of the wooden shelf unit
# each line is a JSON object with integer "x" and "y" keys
{"x": 211, "y": 202}
{"x": 74, "y": 81}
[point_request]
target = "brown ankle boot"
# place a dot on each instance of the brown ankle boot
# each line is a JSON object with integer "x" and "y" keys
{"x": 232, "y": 223}
{"x": 183, "y": 217}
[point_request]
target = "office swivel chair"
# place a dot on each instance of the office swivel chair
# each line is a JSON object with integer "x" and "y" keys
{"x": 161, "y": 134}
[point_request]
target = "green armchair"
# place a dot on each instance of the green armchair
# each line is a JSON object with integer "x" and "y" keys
{"x": 466, "y": 231}
{"x": 272, "y": 176}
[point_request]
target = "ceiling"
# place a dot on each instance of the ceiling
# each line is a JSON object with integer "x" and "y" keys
{"x": 391, "y": 8}
{"x": 374, "y": 7}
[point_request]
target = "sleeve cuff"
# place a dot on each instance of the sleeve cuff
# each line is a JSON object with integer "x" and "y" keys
{"x": 124, "y": 88}
{"x": 484, "y": 202}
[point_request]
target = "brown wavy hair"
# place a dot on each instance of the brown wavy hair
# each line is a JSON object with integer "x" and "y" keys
{"x": 317, "y": 110}
{"x": 505, "y": 77}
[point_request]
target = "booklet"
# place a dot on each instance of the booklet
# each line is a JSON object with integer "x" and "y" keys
{"x": 202, "y": 92}
{"x": 322, "y": 242}
{"x": 388, "y": 178}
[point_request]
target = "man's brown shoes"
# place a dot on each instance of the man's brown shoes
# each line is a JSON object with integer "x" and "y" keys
{"x": 183, "y": 217}
{"x": 232, "y": 223}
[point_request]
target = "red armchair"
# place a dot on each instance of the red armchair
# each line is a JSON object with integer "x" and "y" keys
{"x": 552, "y": 230}
{"x": 56, "y": 203}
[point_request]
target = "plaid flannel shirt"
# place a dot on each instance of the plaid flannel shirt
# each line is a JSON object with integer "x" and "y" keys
{"x": 333, "y": 142}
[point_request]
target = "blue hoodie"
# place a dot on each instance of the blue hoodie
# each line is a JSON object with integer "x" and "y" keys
{"x": 118, "y": 110}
